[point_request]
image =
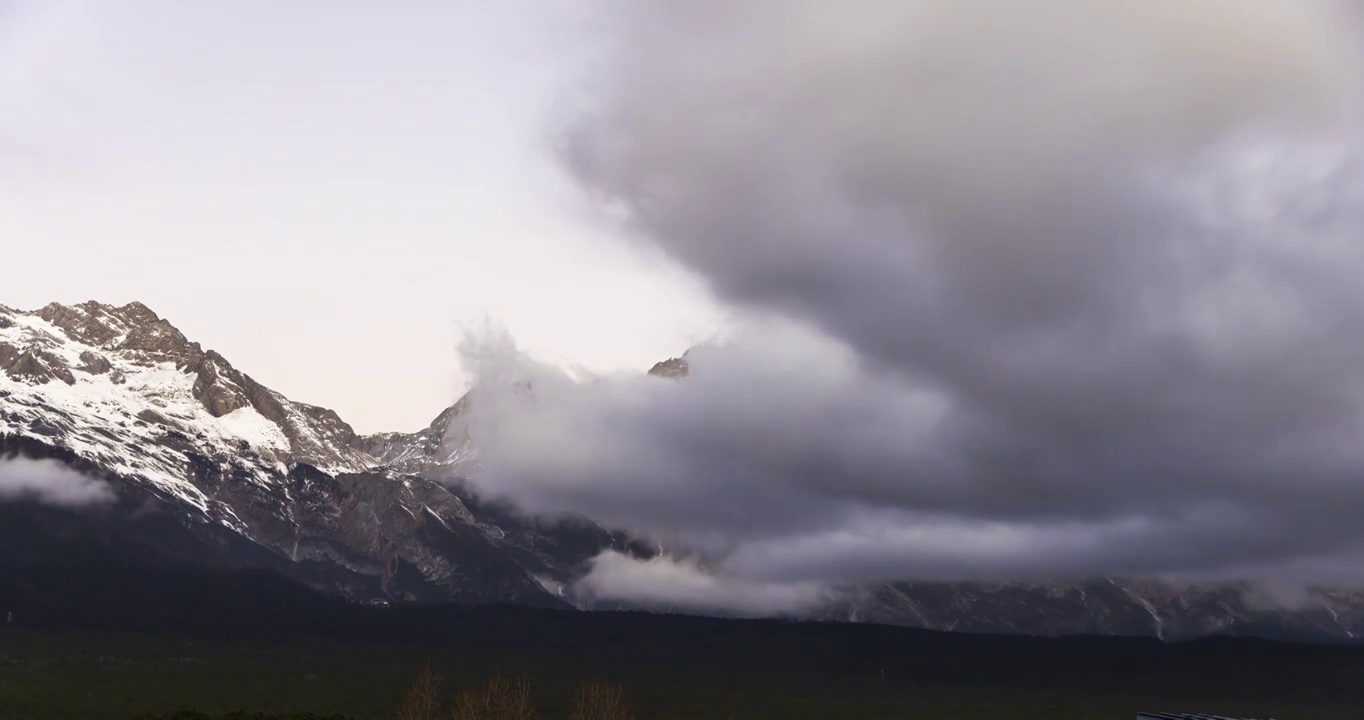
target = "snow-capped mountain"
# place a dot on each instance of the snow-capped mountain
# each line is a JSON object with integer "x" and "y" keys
{"x": 211, "y": 466}
{"x": 123, "y": 388}
{"x": 260, "y": 479}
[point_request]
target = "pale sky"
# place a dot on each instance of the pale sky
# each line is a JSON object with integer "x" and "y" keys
{"x": 321, "y": 190}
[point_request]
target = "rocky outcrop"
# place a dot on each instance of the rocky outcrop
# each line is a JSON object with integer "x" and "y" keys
{"x": 230, "y": 471}
{"x": 33, "y": 364}
{"x": 674, "y": 368}
{"x": 105, "y": 337}
{"x": 266, "y": 481}
{"x": 442, "y": 446}
{"x": 94, "y": 364}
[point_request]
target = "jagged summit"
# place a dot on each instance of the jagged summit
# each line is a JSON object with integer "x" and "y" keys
{"x": 128, "y": 365}
{"x": 444, "y": 444}
{"x": 253, "y": 477}
{"x": 131, "y": 327}
{"x": 677, "y": 367}
{"x": 248, "y": 477}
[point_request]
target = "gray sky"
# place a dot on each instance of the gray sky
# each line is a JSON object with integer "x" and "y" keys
{"x": 1038, "y": 289}
{"x": 321, "y": 190}
{"x": 1012, "y": 290}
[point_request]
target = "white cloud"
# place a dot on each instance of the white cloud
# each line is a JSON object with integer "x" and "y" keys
{"x": 679, "y": 584}
{"x": 51, "y": 483}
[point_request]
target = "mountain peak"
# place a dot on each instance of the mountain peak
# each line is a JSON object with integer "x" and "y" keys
{"x": 129, "y": 327}
{"x": 255, "y": 479}
{"x": 250, "y": 477}
{"x": 677, "y": 367}
{"x": 129, "y": 366}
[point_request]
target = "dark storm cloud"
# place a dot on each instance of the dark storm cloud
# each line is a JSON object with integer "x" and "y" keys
{"x": 1062, "y": 288}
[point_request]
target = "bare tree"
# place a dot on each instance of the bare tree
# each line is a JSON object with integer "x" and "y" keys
{"x": 500, "y": 698}
{"x": 597, "y": 700}
{"x": 422, "y": 701}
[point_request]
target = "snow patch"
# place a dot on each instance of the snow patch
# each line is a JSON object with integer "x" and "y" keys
{"x": 248, "y": 424}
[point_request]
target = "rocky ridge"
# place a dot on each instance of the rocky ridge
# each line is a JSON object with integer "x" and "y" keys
{"x": 1103, "y": 606}
{"x": 211, "y": 464}
{"x": 260, "y": 479}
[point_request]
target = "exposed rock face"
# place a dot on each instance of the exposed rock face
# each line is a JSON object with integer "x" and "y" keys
{"x": 444, "y": 444}
{"x": 94, "y": 364}
{"x": 33, "y": 364}
{"x": 211, "y": 465}
{"x": 128, "y": 341}
{"x": 671, "y": 368}
{"x": 1104, "y": 606}
{"x": 121, "y": 392}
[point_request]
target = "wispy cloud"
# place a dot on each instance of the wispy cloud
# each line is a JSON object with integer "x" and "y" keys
{"x": 51, "y": 483}
{"x": 682, "y": 584}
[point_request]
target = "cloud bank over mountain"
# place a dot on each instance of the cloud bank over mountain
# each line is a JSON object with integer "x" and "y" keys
{"x": 1046, "y": 289}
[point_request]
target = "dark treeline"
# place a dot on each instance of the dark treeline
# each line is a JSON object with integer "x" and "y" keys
{"x": 75, "y": 583}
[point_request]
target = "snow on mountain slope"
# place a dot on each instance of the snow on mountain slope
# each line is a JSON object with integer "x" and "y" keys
{"x": 121, "y": 391}
{"x": 252, "y": 478}
{"x": 100, "y": 380}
